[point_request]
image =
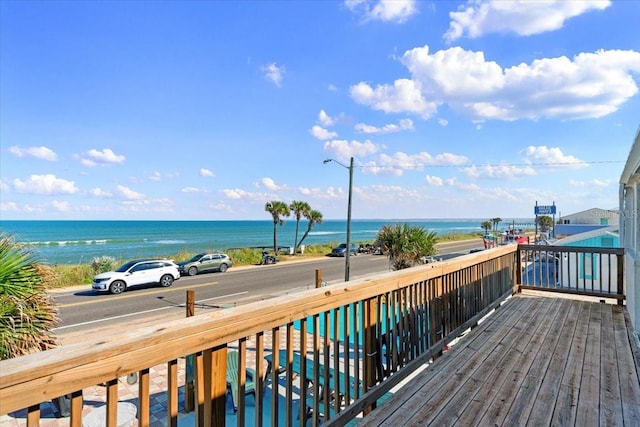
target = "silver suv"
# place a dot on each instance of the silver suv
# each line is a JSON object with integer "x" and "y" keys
{"x": 137, "y": 272}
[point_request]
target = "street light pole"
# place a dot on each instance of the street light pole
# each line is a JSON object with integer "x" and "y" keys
{"x": 347, "y": 264}
{"x": 347, "y": 255}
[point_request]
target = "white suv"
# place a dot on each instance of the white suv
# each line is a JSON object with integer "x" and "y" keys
{"x": 137, "y": 272}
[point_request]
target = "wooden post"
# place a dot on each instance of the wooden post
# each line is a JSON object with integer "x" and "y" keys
{"x": 620, "y": 278}
{"x": 318, "y": 278}
{"x": 370, "y": 347}
{"x": 189, "y": 390}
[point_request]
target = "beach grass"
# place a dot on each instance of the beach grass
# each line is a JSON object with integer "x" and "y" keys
{"x": 65, "y": 275}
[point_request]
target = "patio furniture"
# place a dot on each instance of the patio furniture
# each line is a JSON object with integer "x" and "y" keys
{"x": 233, "y": 382}
{"x": 310, "y": 377}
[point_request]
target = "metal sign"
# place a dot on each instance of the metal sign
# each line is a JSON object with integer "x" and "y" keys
{"x": 545, "y": 210}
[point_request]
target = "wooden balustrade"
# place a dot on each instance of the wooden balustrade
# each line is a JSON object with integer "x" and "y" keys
{"x": 344, "y": 346}
{"x": 571, "y": 269}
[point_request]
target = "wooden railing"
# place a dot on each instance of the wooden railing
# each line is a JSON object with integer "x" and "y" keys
{"x": 571, "y": 269}
{"x": 335, "y": 351}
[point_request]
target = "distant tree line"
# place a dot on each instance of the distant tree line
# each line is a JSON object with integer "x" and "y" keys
{"x": 491, "y": 224}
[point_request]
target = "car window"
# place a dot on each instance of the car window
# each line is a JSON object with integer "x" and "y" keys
{"x": 126, "y": 266}
{"x": 195, "y": 258}
{"x": 216, "y": 257}
{"x": 139, "y": 267}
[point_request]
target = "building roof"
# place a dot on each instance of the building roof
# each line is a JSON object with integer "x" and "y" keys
{"x": 608, "y": 231}
{"x": 589, "y": 212}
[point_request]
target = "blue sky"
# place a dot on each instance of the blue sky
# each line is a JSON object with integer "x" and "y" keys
{"x": 210, "y": 109}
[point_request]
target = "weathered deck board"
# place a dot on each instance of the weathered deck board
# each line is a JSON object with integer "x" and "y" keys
{"x": 537, "y": 361}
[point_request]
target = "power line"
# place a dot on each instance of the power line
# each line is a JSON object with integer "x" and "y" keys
{"x": 529, "y": 164}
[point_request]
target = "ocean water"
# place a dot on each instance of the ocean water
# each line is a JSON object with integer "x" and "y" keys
{"x": 75, "y": 242}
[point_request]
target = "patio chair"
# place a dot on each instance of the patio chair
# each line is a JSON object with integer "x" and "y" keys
{"x": 233, "y": 381}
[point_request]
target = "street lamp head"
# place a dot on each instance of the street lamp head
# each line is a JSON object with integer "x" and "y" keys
{"x": 326, "y": 161}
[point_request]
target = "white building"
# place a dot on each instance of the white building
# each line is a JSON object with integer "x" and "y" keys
{"x": 594, "y": 216}
{"x": 595, "y": 272}
{"x": 630, "y": 230}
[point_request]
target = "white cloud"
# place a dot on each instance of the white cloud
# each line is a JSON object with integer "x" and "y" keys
{"x": 498, "y": 171}
{"x": 524, "y": 17}
{"x": 270, "y": 184}
{"x": 129, "y": 194}
{"x": 206, "y": 173}
{"x": 8, "y": 207}
{"x": 435, "y": 181}
{"x": 155, "y": 176}
{"x": 189, "y": 190}
{"x": 322, "y": 133}
{"x": 95, "y": 157}
{"x": 404, "y": 96}
{"x": 400, "y": 162}
{"x": 343, "y": 149}
{"x": 443, "y": 122}
{"x": 42, "y": 152}
{"x": 45, "y": 184}
{"x": 404, "y": 124}
{"x": 550, "y": 157}
{"x": 274, "y": 73}
{"x": 590, "y": 85}
{"x": 234, "y": 193}
{"x": 61, "y": 206}
{"x": 98, "y": 192}
{"x": 397, "y": 11}
{"x": 325, "y": 120}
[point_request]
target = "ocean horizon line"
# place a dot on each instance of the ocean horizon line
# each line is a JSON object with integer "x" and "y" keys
{"x": 270, "y": 220}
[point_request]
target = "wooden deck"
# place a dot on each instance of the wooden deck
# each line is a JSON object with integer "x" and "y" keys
{"x": 539, "y": 361}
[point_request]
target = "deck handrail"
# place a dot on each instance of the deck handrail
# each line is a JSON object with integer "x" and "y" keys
{"x": 403, "y": 318}
{"x": 580, "y": 270}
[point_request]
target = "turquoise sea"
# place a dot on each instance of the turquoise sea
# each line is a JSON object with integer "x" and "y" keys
{"x": 75, "y": 242}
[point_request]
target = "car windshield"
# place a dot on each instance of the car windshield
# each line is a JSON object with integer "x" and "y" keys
{"x": 125, "y": 267}
{"x": 342, "y": 246}
{"x": 196, "y": 258}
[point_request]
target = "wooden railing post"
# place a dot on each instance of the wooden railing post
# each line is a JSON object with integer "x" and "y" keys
{"x": 620, "y": 258}
{"x": 318, "y": 278}
{"x": 370, "y": 347}
{"x": 519, "y": 270}
{"x": 215, "y": 386}
{"x": 189, "y": 391}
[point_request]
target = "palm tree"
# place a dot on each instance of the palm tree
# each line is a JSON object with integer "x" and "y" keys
{"x": 406, "y": 245}
{"x": 277, "y": 209}
{"x": 545, "y": 222}
{"x": 314, "y": 217}
{"x": 27, "y": 315}
{"x": 299, "y": 210}
{"x": 486, "y": 225}
{"x": 496, "y": 222}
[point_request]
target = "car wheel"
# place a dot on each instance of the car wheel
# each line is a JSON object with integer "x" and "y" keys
{"x": 166, "y": 280}
{"x": 117, "y": 287}
{"x": 192, "y": 271}
{"x": 223, "y": 268}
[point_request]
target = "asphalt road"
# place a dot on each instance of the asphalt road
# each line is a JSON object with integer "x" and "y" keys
{"x": 83, "y": 310}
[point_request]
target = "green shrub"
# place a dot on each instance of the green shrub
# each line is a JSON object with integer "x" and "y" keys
{"x": 100, "y": 264}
